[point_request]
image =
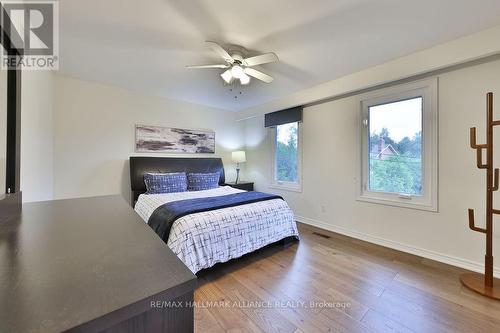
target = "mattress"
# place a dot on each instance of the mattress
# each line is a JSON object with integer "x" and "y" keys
{"x": 203, "y": 239}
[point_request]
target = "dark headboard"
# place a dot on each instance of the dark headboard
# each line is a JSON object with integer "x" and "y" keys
{"x": 141, "y": 165}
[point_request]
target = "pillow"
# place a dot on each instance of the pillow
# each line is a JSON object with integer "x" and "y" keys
{"x": 165, "y": 182}
{"x": 203, "y": 181}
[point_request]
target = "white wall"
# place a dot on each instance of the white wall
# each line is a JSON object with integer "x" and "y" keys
{"x": 329, "y": 157}
{"x": 94, "y": 134}
{"x": 36, "y": 135}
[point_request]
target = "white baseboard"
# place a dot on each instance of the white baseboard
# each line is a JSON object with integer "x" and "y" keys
{"x": 444, "y": 258}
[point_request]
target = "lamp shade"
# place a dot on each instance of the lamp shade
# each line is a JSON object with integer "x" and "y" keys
{"x": 239, "y": 156}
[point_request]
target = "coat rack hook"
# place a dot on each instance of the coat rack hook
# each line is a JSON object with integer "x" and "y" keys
{"x": 479, "y": 158}
{"x": 473, "y": 137}
{"x": 472, "y": 225}
{"x": 473, "y": 141}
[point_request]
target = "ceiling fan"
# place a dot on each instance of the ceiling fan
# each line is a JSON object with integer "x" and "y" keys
{"x": 239, "y": 68}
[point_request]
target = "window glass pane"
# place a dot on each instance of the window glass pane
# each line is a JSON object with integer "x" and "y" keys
{"x": 287, "y": 152}
{"x": 395, "y": 147}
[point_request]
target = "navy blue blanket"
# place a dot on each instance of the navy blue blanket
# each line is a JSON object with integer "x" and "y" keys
{"x": 164, "y": 216}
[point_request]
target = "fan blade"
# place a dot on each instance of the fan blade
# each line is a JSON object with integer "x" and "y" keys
{"x": 258, "y": 75}
{"x": 220, "y": 51}
{"x": 261, "y": 59}
{"x": 208, "y": 66}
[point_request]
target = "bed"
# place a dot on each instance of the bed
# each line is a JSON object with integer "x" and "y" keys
{"x": 209, "y": 236}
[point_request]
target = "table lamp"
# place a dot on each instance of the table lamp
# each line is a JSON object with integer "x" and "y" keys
{"x": 238, "y": 157}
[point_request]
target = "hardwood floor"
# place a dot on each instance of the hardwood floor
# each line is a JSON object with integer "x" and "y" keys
{"x": 338, "y": 284}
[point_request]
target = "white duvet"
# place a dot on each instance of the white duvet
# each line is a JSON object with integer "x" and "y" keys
{"x": 201, "y": 240}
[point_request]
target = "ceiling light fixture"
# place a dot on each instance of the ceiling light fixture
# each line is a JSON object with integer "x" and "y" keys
{"x": 239, "y": 67}
{"x": 244, "y": 79}
{"x": 237, "y": 71}
{"x": 227, "y": 76}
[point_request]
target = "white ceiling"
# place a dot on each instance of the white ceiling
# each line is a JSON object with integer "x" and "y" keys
{"x": 145, "y": 45}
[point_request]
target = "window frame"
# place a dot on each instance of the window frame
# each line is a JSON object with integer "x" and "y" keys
{"x": 428, "y": 90}
{"x": 283, "y": 185}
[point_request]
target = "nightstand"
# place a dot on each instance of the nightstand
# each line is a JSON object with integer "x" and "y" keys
{"x": 247, "y": 186}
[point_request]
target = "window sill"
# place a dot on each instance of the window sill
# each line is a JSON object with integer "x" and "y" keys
{"x": 286, "y": 187}
{"x": 430, "y": 207}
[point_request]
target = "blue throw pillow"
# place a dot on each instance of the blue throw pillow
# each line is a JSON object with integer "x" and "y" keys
{"x": 203, "y": 181}
{"x": 165, "y": 182}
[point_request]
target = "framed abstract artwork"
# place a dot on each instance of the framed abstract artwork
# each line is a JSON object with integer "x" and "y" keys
{"x": 173, "y": 140}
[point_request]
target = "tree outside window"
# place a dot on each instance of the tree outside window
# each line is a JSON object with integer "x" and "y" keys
{"x": 287, "y": 153}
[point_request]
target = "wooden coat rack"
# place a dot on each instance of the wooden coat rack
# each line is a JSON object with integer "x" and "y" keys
{"x": 485, "y": 284}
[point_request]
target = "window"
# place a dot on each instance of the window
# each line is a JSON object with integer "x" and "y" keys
{"x": 287, "y": 154}
{"x": 395, "y": 147}
{"x": 399, "y": 146}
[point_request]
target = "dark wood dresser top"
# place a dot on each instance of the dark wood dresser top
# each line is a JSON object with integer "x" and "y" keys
{"x": 82, "y": 264}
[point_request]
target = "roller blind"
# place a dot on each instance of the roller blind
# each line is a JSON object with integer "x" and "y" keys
{"x": 286, "y": 116}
